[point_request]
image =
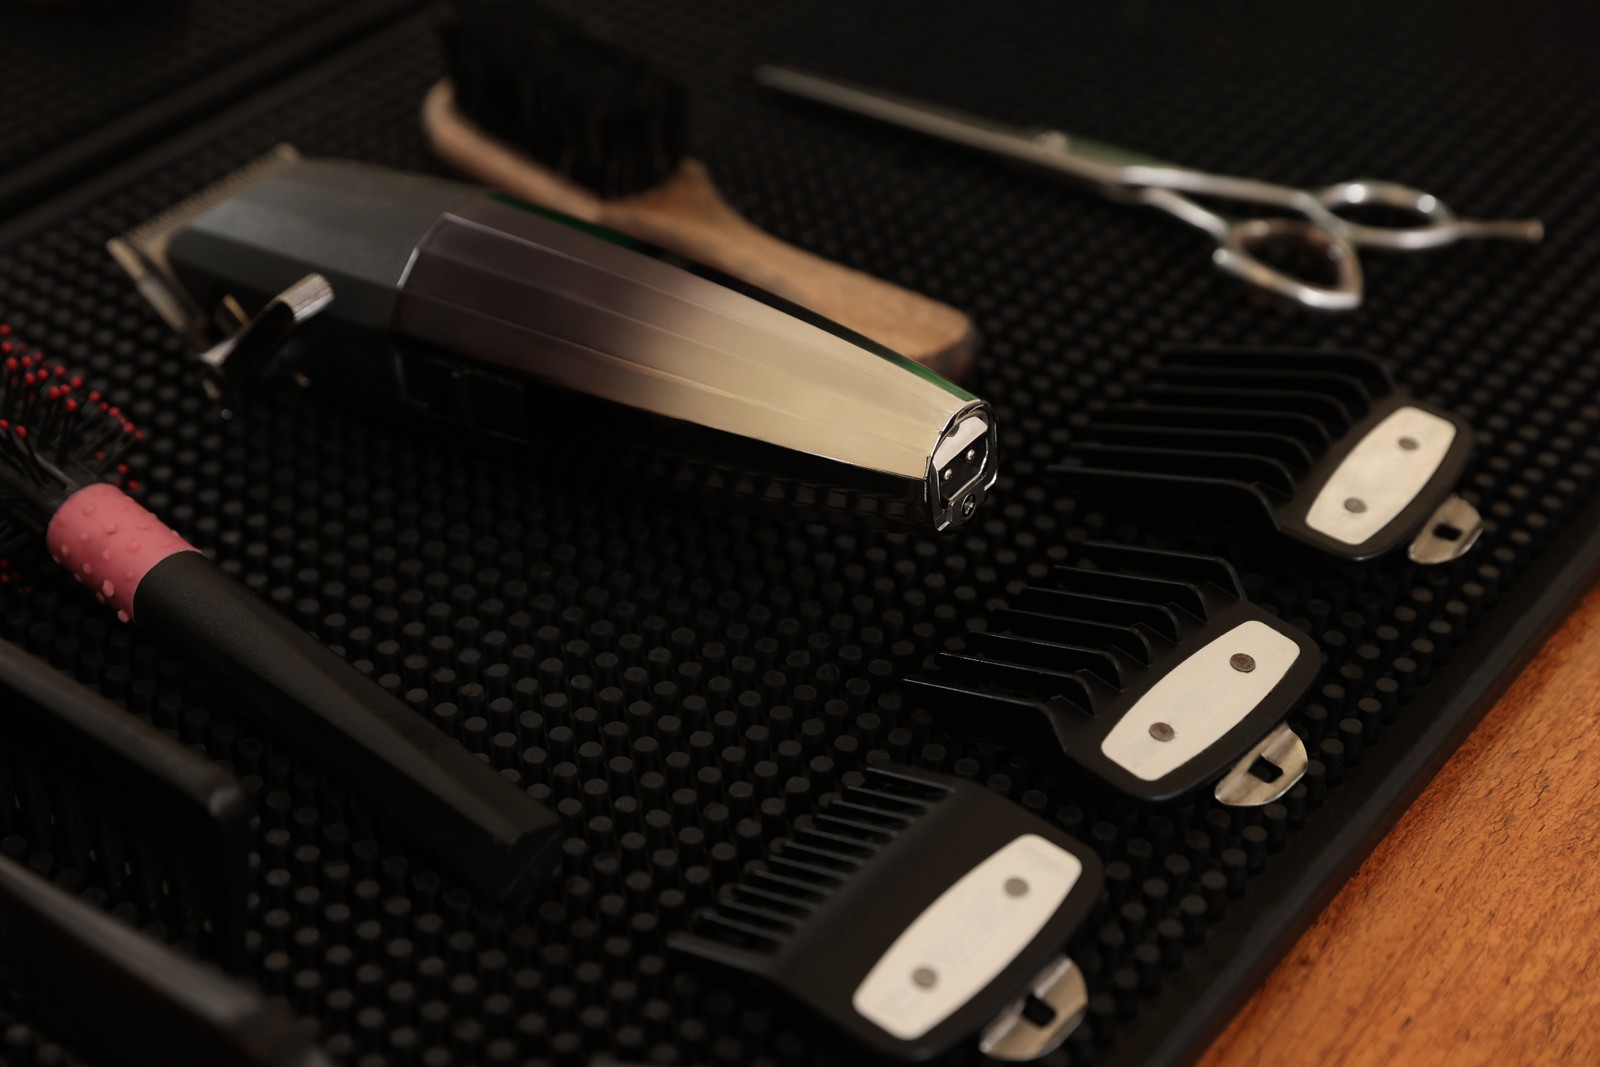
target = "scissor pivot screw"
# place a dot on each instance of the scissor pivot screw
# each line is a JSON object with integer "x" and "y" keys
{"x": 1355, "y": 505}
{"x": 1162, "y": 731}
{"x": 1242, "y": 662}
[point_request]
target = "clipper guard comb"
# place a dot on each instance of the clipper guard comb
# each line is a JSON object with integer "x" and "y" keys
{"x": 1320, "y": 446}
{"x": 916, "y": 911}
{"x": 1151, "y": 673}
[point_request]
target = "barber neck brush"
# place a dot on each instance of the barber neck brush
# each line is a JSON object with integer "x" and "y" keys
{"x": 58, "y": 440}
{"x": 539, "y": 109}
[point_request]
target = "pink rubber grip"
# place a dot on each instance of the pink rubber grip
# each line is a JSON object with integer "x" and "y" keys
{"x": 110, "y": 542}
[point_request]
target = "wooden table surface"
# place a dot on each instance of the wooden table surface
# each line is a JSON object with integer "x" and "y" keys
{"x": 1471, "y": 936}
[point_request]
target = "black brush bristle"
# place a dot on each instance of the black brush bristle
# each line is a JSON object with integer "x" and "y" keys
{"x": 56, "y": 435}
{"x": 596, "y": 114}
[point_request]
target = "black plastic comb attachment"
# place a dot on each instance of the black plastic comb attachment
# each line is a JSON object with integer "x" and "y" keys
{"x": 1319, "y": 445}
{"x": 914, "y": 912}
{"x": 121, "y": 808}
{"x": 1147, "y": 670}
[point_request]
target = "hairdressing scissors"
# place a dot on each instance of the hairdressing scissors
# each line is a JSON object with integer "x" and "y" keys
{"x": 1129, "y": 177}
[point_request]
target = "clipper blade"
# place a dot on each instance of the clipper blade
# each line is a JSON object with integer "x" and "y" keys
{"x": 142, "y": 251}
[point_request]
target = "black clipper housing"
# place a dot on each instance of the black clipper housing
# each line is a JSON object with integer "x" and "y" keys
{"x": 1320, "y": 446}
{"x": 1151, "y": 673}
{"x": 915, "y": 911}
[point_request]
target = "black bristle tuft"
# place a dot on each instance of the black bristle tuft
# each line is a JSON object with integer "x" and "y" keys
{"x": 56, "y": 436}
{"x": 596, "y": 114}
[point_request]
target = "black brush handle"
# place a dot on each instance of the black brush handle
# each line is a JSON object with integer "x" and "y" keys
{"x": 445, "y": 799}
{"x": 131, "y": 998}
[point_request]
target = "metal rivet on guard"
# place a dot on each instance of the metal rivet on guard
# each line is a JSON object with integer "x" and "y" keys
{"x": 1408, "y": 443}
{"x": 924, "y": 977}
{"x": 1016, "y": 887}
{"x": 1242, "y": 662}
{"x": 1355, "y": 505}
{"x": 1162, "y": 731}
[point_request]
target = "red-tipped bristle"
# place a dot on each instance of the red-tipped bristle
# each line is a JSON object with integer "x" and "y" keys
{"x": 56, "y": 434}
{"x": 12, "y": 579}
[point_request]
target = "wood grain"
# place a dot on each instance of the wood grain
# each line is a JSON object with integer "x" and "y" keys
{"x": 1471, "y": 936}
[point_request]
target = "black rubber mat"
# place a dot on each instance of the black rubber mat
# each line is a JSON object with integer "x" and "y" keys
{"x": 87, "y": 82}
{"x": 684, "y": 685}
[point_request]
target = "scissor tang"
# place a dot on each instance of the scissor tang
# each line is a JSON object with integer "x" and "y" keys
{"x": 1439, "y": 225}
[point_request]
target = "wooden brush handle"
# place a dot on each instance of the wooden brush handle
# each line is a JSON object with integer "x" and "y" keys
{"x": 687, "y": 215}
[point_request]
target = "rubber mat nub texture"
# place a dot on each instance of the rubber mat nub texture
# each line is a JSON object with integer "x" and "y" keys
{"x": 685, "y": 686}
{"x": 72, "y": 69}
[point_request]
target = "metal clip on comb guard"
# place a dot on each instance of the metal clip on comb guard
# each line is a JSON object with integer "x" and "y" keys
{"x": 1151, "y": 673}
{"x": 915, "y": 912}
{"x": 1320, "y": 446}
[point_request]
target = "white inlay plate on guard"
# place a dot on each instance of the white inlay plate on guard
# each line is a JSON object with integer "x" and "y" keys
{"x": 1198, "y": 701}
{"x": 1381, "y": 475}
{"x": 962, "y": 940}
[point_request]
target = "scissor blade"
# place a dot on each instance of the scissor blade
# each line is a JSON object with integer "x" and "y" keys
{"x": 1039, "y": 148}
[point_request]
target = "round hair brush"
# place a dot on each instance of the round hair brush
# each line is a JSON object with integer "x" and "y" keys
{"x": 58, "y": 440}
{"x": 539, "y": 109}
